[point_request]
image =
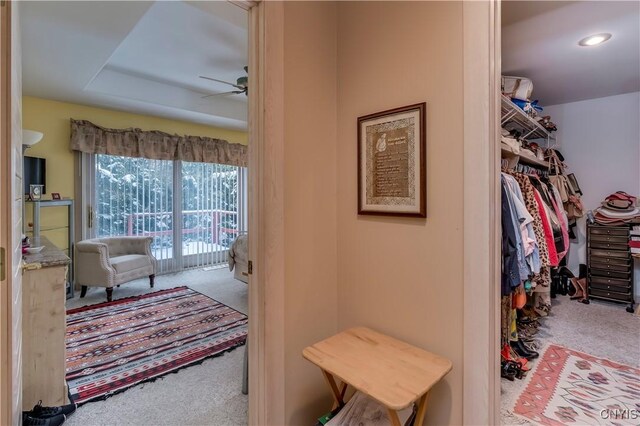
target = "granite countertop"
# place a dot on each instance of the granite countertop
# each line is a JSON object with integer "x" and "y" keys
{"x": 48, "y": 257}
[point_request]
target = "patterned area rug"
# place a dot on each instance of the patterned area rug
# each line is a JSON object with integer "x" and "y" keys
{"x": 115, "y": 345}
{"x": 571, "y": 387}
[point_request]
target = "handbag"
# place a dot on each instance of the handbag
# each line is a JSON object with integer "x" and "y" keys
{"x": 574, "y": 207}
{"x": 573, "y": 183}
{"x": 557, "y": 177}
{"x": 519, "y": 297}
{"x": 560, "y": 183}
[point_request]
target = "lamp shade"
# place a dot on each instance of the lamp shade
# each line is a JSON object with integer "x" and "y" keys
{"x": 31, "y": 137}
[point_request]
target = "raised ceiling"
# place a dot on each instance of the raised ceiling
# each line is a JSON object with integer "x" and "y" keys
{"x": 141, "y": 57}
{"x": 540, "y": 41}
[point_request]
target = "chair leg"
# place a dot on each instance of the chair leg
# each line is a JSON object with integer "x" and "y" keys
{"x": 83, "y": 291}
{"x": 152, "y": 278}
{"x": 109, "y": 294}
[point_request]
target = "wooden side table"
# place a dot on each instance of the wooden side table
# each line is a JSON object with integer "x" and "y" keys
{"x": 388, "y": 370}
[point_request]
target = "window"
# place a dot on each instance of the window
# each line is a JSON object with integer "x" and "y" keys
{"x": 193, "y": 211}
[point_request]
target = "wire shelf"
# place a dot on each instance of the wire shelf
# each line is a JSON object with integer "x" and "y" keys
{"x": 513, "y": 117}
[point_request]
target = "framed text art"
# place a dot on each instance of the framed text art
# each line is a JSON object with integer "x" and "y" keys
{"x": 392, "y": 162}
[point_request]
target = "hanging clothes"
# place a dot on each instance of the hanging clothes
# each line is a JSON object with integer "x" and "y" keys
{"x": 546, "y": 226}
{"x": 554, "y": 222}
{"x": 528, "y": 193}
{"x": 510, "y": 269}
{"x": 562, "y": 218}
{"x": 528, "y": 239}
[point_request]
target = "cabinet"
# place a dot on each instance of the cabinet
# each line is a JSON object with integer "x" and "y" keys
{"x": 44, "y": 326}
{"x": 610, "y": 264}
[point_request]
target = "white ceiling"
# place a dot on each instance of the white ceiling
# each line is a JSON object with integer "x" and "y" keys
{"x": 142, "y": 57}
{"x": 540, "y": 41}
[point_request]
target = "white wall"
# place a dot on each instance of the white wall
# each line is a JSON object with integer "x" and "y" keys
{"x": 600, "y": 141}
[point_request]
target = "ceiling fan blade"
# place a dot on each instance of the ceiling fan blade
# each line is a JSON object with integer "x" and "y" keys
{"x": 222, "y": 81}
{"x": 233, "y": 92}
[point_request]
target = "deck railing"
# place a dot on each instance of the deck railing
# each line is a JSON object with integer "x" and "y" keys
{"x": 215, "y": 226}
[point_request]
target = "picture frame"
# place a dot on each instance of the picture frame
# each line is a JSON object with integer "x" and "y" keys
{"x": 56, "y": 196}
{"x": 392, "y": 162}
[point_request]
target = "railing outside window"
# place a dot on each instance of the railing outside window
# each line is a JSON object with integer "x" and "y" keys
{"x": 194, "y": 211}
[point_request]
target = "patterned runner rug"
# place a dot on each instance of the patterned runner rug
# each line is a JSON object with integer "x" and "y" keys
{"x": 115, "y": 345}
{"x": 571, "y": 387}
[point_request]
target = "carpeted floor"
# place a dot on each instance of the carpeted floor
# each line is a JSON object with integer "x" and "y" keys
{"x": 600, "y": 329}
{"x": 205, "y": 394}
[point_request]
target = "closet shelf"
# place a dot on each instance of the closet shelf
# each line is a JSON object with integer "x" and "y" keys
{"x": 524, "y": 157}
{"x": 516, "y": 118}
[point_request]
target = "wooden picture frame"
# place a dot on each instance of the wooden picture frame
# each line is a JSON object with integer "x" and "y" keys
{"x": 55, "y": 196}
{"x": 392, "y": 162}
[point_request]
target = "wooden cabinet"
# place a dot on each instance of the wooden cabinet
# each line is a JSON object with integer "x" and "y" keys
{"x": 43, "y": 327}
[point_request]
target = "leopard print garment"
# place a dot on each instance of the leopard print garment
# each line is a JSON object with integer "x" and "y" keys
{"x": 542, "y": 295}
{"x": 532, "y": 206}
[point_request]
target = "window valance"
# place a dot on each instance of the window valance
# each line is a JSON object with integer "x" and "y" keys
{"x": 155, "y": 145}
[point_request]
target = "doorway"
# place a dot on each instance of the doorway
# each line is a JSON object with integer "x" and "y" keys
{"x": 218, "y": 228}
{"x": 567, "y": 289}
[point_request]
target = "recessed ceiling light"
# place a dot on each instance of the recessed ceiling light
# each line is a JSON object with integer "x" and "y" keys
{"x": 594, "y": 40}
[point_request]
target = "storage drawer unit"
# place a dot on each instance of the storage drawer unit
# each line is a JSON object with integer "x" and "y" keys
{"x": 610, "y": 265}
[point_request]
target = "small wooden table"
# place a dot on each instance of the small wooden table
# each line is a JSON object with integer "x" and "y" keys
{"x": 388, "y": 370}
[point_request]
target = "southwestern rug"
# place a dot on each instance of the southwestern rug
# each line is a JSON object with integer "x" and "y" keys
{"x": 115, "y": 345}
{"x": 571, "y": 387}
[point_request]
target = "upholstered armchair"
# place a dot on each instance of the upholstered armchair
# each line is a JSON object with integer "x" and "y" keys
{"x": 109, "y": 262}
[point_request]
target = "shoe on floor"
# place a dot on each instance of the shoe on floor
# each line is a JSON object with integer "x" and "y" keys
{"x": 44, "y": 412}
{"x": 27, "y": 420}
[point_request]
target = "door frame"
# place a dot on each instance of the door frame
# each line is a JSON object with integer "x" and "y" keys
{"x": 481, "y": 341}
{"x": 266, "y": 212}
{"x": 481, "y": 77}
{"x": 481, "y": 53}
{"x": 6, "y": 385}
{"x": 10, "y": 194}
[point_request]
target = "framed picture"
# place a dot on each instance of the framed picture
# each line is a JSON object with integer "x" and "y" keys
{"x": 392, "y": 162}
{"x": 55, "y": 196}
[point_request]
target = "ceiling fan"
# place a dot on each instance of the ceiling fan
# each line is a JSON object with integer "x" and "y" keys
{"x": 241, "y": 85}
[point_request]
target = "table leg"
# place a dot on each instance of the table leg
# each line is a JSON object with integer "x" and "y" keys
{"x": 337, "y": 393}
{"x": 422, "y": 408}
{"x": 343, "y": 391}
{"x": 393, "y": 416}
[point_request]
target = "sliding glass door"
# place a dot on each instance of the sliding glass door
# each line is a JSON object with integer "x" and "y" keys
{"x": 193, "y": 211}
{"x": 210, "y": 212}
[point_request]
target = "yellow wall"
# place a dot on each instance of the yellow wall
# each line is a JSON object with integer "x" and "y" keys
{"x": 52, "y": 119}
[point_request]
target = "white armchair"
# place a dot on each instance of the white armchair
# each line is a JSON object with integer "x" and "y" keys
{"x": 109, "y": 262}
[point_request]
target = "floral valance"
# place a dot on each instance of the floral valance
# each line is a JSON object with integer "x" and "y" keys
{"x": 155, "y": 145}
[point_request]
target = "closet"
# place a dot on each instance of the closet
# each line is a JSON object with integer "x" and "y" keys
{"x": 539, "y": 209}
{"x": 570, "y": 217}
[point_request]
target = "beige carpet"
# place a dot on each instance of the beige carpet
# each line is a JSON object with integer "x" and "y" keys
{"x": 604, "y": 330}
{"x": 205, "y": 394}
